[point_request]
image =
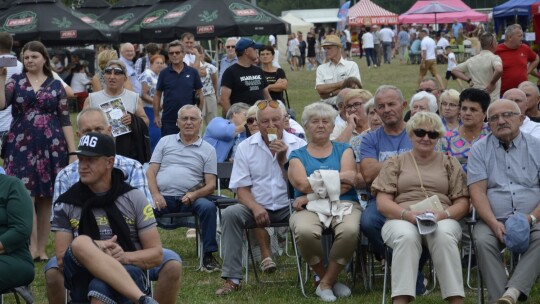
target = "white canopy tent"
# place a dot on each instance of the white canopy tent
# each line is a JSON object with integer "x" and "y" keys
{"x": 297, "y": 24}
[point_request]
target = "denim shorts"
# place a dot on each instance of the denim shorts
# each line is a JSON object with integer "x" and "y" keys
{"x": 83, "y": 285}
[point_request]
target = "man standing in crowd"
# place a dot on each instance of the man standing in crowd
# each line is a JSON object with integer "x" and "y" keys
{"x": 348, "y": 44}
{"x": 517, "y": 58}
{"x": 243, "y": 81}
{"x": 127, "y": 53}
{"x": 229, "y": 59}
{"x": 182, "y": 174}
{"x": 179, "y": 84}
{"x": 330, "y": 75}
{"x": 484, "y": 70}
{"x": 387, "y": 37}
{"x": 169, "y": 272}
{"x": 143, "y": 63}
{"x": 102, "y": 218}
{"x": 191, "y": 55}
{"x": 258, "y": 163}
{"x": 429, "y": 58}
{"x": 369, "y": 47}
{"x": 503, "y": 179}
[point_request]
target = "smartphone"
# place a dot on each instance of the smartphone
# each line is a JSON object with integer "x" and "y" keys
{"x": 8, "y": 62}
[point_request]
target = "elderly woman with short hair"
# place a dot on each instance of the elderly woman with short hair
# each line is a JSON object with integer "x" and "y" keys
{"x": 352, "y": 108}
{"x": 423, "y": 101}
{"x": 323, "y": 154}
{"x": 449, "y": 110}
{"x": 407, "y": 179}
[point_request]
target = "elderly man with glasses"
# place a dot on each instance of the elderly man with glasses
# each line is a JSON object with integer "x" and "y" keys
{"x": 258, "y": 178}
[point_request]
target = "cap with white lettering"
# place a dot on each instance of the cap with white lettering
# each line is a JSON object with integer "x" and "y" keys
{"x": 96, "y": 144}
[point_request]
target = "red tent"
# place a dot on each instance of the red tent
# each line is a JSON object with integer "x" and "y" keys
{"x": 535, "y": 11}
{"x": 468, "y": 13}
{"x": 368, "y": 13}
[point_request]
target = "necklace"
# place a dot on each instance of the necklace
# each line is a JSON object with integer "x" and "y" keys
{"x": 469, "y": 136}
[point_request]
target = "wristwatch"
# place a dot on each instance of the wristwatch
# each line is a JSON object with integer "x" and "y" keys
{"x": 533, "y": 220}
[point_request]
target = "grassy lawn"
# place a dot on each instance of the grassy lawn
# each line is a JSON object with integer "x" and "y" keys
{"x": 198, "y": 287}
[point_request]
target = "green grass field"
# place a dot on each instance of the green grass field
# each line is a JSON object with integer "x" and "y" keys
{"x": 198, "y": 287}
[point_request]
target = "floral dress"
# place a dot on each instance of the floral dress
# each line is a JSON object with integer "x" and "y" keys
{"x": 454, "y": 145}
{"x": 36, "y": 149}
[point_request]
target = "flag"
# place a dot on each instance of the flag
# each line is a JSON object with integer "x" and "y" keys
{"x": 342, "y": 15}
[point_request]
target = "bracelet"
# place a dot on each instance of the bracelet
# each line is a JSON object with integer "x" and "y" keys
{"x": 403, "y": 212}
{"x": 72, "y": 153}
{"x": 448, "y": 216}
{"x": 331, "y": 94}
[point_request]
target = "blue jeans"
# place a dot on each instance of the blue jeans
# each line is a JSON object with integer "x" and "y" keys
{"x": 84, "y": 285}
{"x": 370, "y": 55}
{"x": 153, "y": 131}
{"x": 387, "y": 51}
{"x": 205, "y": 210}
{"x": 371, "y": 224}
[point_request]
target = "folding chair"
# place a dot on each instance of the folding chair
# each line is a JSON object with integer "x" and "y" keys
{"x": 15, "y": 294}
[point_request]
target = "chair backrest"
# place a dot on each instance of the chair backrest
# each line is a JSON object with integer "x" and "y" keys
{"x": 224, "y": 171}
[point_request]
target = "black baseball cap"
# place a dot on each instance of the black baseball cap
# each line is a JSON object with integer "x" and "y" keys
{"x": 96, "y": 144}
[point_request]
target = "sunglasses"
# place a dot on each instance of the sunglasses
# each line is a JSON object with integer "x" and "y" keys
{"x": 421, "y": 133}
{"x": 230, "y": 46}
{"x": 115, "y": 71}
{"x": 262, "y": 104}
{"x": 426, "y": 90}
{"x": 251, "y": 120}
{"x": 175, "y": 53}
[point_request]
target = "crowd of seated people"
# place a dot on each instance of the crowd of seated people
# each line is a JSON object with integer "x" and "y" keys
{"x": 366, "y": 169}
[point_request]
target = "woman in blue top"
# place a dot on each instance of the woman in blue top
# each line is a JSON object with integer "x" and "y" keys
{"x": 321, "y": 153}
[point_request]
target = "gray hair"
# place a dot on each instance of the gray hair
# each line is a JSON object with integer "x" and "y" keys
{"x": 511, "y": 30}
{"x": 236, "y": 108}
{"x": 503, "y": 101}
{"x": 387, "y": 87}
{"x": 231, "y": 39}
{"x": 425, "y": 118}
{"x": 92, "y": 110}
{"x": 318, "y": 109}
{"x": 527, "y": 83}
{"x": 118, "y": 63}
{"x": 432, "y": 100}
{"x": 188, "y": 107}
{"x": 370, "y": 104}
{"x": 252, "y": 111}
{"x": 340, "y": 98}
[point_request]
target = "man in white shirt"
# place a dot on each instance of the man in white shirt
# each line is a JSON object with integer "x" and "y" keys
{"x": 348, "y": 45}
{"x": 257, "y": 178}
{"x": 519, "y": 97}
{"x": 441, "y": 46}
{"x": 6, "y": 43}
{"x": 127, "y": 53}
{"x": 387, "y": 36}
{"x": 429, "y": 59}
{"x": 369, "y": 47}
{"x": 330, "y": 76}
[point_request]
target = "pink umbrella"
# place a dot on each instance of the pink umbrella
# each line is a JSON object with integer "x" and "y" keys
{"x": 436, "y": 7}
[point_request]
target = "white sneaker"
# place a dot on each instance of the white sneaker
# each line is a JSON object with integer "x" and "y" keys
{"x": 326, "y": 295}
{"x": 341, "y": 290}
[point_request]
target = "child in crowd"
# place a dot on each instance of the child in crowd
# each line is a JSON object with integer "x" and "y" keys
{"x": 452, "y": 63}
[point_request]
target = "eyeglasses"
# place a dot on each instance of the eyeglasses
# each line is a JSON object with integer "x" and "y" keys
{"x": 175, "y": 53}
{"x": 504, "y": 115}
{"x": 425, "y": 90}
{"x": 115, "y": 71}
{"x": 450, "y": 105}
{"x": 230, "y": 46}
{"x": 356, "y": 106}
{"x": 421, "y": 133}
{"x": 262, "y": 104}
{"x": 251, "y": 120}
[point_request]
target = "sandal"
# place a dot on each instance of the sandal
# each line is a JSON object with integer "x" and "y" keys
{"x": 267, "y": 265}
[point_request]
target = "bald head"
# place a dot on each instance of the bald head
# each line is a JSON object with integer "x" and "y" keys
{"x": 504, "y": 120}
{"x": 533, "y": 97}
{"x": 502, "y": 103}
{"x": 517, "y": 96}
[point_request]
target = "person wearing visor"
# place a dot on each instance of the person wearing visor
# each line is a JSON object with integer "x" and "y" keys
{"x": 243, "y": 81}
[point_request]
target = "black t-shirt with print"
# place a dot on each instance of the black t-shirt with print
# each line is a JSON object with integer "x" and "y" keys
{"x": 246, "y": 84}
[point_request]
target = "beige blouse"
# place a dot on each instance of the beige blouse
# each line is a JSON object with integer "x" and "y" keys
{"x": 443, "y": 176}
